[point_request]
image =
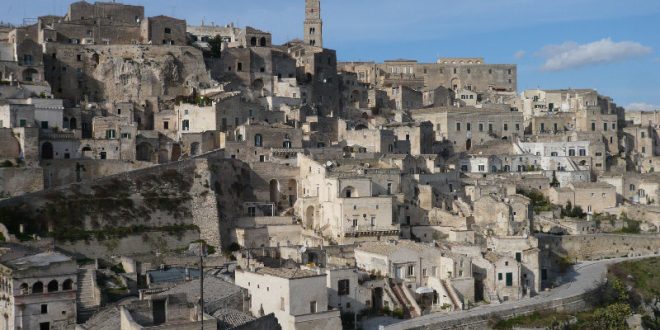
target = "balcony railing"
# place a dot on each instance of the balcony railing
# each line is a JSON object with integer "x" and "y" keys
{"x": 359, "y": 231}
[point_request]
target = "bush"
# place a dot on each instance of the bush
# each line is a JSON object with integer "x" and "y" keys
{"x": 119, "y": 269}
{"x": 398, "y": 313}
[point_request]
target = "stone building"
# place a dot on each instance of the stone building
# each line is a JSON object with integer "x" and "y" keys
{"x": 634, "y": 188}
{"x": 39, "y": 289}
{"x": 463, "y": 128}
{"x": 313, "y": 27}
{"x": 417, "y": 269}
{"x": 592, "y": 197}
{"x": 297, "y": 297}
{"x": 452, "y": 73}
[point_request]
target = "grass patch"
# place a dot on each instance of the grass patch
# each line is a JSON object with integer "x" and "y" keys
{"x": 642, "y": 275}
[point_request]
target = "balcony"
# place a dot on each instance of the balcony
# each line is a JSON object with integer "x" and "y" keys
{"x": 366, "y": 231}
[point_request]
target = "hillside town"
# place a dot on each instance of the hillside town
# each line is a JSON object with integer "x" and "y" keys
{"x": 157, "y": 174}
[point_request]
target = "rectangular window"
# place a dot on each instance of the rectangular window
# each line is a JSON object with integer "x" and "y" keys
{"x": 499, "y": 276}
{"x": 481, "y": 127}
{"x": 490, "y": 128}
{"x": 506, "y": 127}
{"x": 125, "y": 135}
{"x": 593, "y": 126}
{"x": 282, "y": 305}
{"x": 44, "y": 125}
{"x": 544, "y": 274}
{"x": 469, "y": 126}
{"x": 517, "y": 127}
{"x": 482, "y": 168}
{"x": 509, "y": 279}
{"x": 44, "y": 309}
{"x": 518, "y": 256}
{"x": 343, "y": 287}
{"x": 239, "y": 67}
{"x": 166, "y": 125}
{"x": 411, "y": 271}
{"x": 458, "y": 126}
{"x": 110, "y": 134}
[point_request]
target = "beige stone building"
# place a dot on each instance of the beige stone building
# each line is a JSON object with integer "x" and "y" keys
{"x": 592, "y": 197}
{"x": 297, "y": 297}
{"x": 40, "y": 289}
{"x": 463, "y": 128}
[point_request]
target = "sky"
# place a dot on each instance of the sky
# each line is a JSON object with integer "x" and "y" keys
{"x": 612, "y": 46}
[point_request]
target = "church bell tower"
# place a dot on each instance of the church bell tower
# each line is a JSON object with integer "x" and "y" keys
{"x": 313, "y": 23}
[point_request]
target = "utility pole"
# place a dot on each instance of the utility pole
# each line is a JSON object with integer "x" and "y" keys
{"x": 201, "y": 285}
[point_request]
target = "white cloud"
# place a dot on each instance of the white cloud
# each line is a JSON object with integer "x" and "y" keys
{"x": 640, "y": 106}
{"x": 519, "y": 54}
{"x": 573, "y": 55}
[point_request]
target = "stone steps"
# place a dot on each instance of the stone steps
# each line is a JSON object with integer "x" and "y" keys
{"x": 86, "y": 300}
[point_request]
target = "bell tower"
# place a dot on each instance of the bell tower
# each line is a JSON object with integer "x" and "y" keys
{"x": 313, "y": 23}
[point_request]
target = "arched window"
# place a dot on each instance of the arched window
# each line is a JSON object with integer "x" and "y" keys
{"x": 258, "y": 140}
{"x": 25, "y": 289}
{"x": 38, "y": 287}
{"x": 349, "y": 192}
{"x": 186, "y": 125}
{"x": 67, "y": 285}
{"x": 262, "y": 42}
{"x": 53, "y": 286}
{"x": 73, "y": 123}
{"x": 253, "y": 41}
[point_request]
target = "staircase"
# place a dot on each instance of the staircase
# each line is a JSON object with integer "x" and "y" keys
{"x": 408, "y": 309}
{"x": 492, "y": 296}
{"x": 462, "y": 207}
{"x": 453, "y": 296}
{"x": 88, "y": 296}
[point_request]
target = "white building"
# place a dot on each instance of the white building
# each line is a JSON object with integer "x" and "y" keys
{"x": 298, "y": 298}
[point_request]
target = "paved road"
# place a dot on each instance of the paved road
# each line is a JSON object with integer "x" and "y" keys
{"x": 583, "y": 277}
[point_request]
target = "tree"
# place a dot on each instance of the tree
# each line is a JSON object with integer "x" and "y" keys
{"x": 554, "y": 183}
{"x": 216, "y": 46}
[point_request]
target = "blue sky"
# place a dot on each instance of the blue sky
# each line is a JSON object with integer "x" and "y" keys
{"x": 610, "y": 45}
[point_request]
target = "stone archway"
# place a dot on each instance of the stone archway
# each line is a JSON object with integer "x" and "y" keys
{"x": 194, "y": 149}
{"x": 176, "y": 152}
{"x": 144, "y": 152}
{"x": 293, "y": 192}
{"x": 47, "y": 150}
{"x": 274, "y": 188}
{"x": 309, "y": 217}
{"x": 30, "y": 75}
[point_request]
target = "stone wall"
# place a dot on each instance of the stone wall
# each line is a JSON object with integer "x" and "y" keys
{"x": 15, "y": 181}
{"x": 63, "y": 172}
{"x": 599, "y": 246}
{"x": 149, "y": 242}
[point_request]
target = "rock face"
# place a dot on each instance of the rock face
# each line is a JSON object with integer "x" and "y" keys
{"x": 120, "y": 73}
{"x": 204, "y": 193}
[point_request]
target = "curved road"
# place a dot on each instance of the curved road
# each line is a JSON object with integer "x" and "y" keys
{"x": 585, "y": 277}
